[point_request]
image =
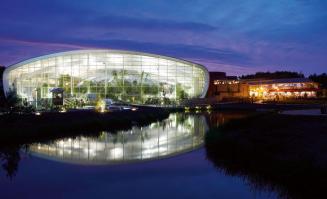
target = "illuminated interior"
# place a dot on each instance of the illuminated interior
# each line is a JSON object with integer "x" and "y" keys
{"x": 120, "y": 75}
{"x": 219, "y": 82}
{"x": 283, "y": 90}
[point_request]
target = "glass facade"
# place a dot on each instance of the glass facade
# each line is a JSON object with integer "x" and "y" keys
{"x": 97, "y": 74}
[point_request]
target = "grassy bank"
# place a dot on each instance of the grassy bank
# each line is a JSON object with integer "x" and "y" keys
{"x": 26, "y": 128}
{"x": 284, "y": 153}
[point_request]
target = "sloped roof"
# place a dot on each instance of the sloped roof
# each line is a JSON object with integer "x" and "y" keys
{"x": 278, "y": 81}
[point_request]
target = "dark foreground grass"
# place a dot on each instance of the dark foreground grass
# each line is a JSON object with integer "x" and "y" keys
{"x": 283, "y": 153}
{"x": 33, "y": 128}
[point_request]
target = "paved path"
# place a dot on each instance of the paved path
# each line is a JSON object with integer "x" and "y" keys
{"x": 303, "y": 112}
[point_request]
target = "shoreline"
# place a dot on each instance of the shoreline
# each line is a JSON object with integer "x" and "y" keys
{"x": 18, "y": 128}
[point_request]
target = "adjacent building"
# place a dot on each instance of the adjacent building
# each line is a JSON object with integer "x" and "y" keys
{"x": 278, "y": 89}
{"x": 224, "y": 87}
{"x": 227, "y": 88}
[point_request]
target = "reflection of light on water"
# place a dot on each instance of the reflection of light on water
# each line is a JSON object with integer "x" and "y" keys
{"x": 176, "y": 134}
{"x": 117, "y": 152}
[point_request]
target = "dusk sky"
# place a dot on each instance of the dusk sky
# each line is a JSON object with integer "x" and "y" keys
{"x": 235, "y": 36}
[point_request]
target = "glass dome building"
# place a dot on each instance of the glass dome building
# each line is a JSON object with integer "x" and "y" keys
{"x": 132, "y": 77}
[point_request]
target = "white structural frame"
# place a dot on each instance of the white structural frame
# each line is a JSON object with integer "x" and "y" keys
{"x": 6, "y": 85}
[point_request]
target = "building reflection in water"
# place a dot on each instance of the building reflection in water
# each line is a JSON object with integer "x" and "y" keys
{"x": 177, "y": 134}
{"x": 216, "y": 119}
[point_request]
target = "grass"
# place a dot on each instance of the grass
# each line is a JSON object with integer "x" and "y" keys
{"x": 284, "y": 153}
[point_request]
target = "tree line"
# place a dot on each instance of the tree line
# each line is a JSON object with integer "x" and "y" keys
{"x": 273, "y": 75}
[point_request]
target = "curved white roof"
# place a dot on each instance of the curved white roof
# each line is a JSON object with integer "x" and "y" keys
{"x": 110, "y": 51}
{"x": 13, "y": 66}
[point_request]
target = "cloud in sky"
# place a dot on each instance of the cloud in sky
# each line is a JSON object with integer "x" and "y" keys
{"x": 233, "y": 36}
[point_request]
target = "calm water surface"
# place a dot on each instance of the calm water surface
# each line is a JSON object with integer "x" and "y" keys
{"x": 163, "y": 160}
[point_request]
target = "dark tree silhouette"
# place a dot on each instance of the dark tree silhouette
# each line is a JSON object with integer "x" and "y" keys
{"x": 10, "y": 158}
{"x": 321, "y": 79}
{"x": 273, "y": 75}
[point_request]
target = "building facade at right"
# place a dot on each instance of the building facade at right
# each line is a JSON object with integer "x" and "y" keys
{"x": 279, "y": 89}
{"x": 227, "y": 88}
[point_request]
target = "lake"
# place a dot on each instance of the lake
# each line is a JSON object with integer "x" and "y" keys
{"x": 165, "y": 159}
